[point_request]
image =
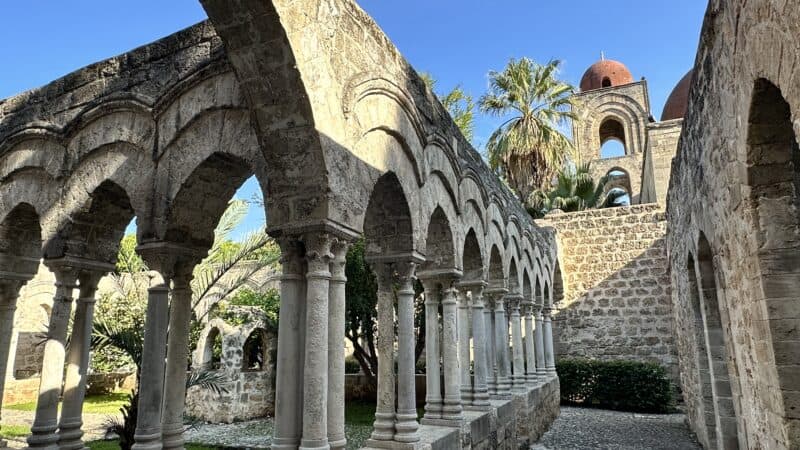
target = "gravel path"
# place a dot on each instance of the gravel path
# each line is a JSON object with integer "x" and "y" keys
{"x": 585, "y": 428}
{"x": 94, "y": 425}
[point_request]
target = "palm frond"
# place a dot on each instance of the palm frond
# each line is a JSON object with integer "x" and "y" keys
{"x": 207, "y": 379}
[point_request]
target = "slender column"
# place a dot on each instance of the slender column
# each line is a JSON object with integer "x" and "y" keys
{"x": 180, "y": 314}
{"x": 336, "y": 298}
{"x": 289, "y": 365}
{"x": 541, "y": 372}
{"x": 530, "y": 354}
{"x": 151, "y": 381}
{"x": 480, "y": 392}
{"x": 433, "y": 393}
{"x": 9, "y": 292}
{"x": 491, "y": 351}
{"x": 518, "y": 377}
{"x": 463, "y": 346}
{"x": 549, "y": 355}
{"x": 501, "y": 347}
{"x": 406, "y": 425}
{"x": 383, "y": 428}
{"x": 45, "y": 422}
{"x": 69, "y": 427}
{"x": 452, "y": 409}
{"x": 315, "y": 373}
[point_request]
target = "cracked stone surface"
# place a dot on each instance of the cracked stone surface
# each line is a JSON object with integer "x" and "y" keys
{"x": 582, "y": 428}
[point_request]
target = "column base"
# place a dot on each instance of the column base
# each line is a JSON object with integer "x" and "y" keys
{"x": 383, "y": 427}
{"x": 406, "y": 427}
{"x": 315, "y": 444}
{"x": 433, "y": 410}
{"x": 337, "y": 442}
{"x": 43, "y": 437}
{"x": 147, "y": 441}
{"x": 285, "y": 443}
{"x": 172, "y": 437}
{"x": 69, "y": 436}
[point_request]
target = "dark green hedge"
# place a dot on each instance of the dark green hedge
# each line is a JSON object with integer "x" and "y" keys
{"x": 620, "y": 385}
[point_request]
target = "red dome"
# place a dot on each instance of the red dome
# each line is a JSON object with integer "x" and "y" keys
{"x": 605, "y": 73}
{"x": 678, "y": 100}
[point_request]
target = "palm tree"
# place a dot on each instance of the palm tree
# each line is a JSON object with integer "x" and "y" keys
{"x": 575, "y": 190}
{"x": 528, "y": 148}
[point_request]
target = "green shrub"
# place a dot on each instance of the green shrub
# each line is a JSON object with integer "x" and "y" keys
{"x": 621, "y": 385}
{"x": 351, "y": 365}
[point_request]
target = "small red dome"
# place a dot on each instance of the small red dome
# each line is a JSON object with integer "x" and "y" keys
{"x": 678, "y": 100}
{"x": 605, "y": 73}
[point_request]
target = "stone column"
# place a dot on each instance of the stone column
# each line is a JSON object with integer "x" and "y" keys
{"x": 180, "y": 314}
{"x": 69, "y": 427}
{"x": 406, "y": 425}
{"x": 480, "y": 392}
{"x": 530, "y": 354}
{"x": 452, "y": 409}
{"x": 541, "y": 372}
{"x": 9, "y": 292}
{"x": 45, "y": 422}
{"x": 549, "y": 355}
{"x": 491, "y": 350}
{"x": 336, "y": 314}
{"x": 518, "y": 378}
{"x": 151, "y": 383}
{"x": 383, "y": 428}
{"x": 501, "y": 348}
{"x": 465, "y": 379}
{"x": 289, "y": 365}
{"x": 315, "y": 372}
{"x": 433, "y": 392}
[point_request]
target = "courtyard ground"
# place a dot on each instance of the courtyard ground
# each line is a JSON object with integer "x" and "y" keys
{"x": 587, "y": 428}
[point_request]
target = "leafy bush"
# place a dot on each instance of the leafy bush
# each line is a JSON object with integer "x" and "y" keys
{"x": 620, "y": 385}
{"x": 351, "y": 365}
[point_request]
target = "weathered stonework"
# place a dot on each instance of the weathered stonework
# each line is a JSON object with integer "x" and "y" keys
{"x": 616, "y": 300}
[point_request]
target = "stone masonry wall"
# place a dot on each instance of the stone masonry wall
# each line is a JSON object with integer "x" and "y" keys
{"x": 616, "y": 302}
{"x": 662, "y": 143}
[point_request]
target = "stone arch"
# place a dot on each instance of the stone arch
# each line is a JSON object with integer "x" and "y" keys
{"x": 112, "y": 122}
{"x": 34, "y": 150}
{"x": 21, "y": 241}
{"x": 558, "y": 284}
{"x": 210, "y": 349}
{"x": 514, "y": 284}
{"x": 439, "y": 248}
{"x": 254, "y": 351}
{"x": 527, "y": 289}
{"x": 496, "y": 274}
{"x": 624, "y": 110}
{"x": 716, "y": 348}
{"x": 618, "y": 178}
{"x": 388, "y": 226}
{"x": 472, "y": 257}
{"x": 611, "y": 130}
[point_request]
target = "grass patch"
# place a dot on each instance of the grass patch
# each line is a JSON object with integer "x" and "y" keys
{"x": 363, "y": 413}
{"x": 95, "y": 404}
{"x": 114, "y": 445}
{"x": 14, "y": 431}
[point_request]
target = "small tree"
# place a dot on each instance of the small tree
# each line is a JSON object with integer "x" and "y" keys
{"x": 458, "y": 103}
{"x": 575, "y": 190}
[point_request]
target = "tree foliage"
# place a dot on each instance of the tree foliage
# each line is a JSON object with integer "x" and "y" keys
{"x": 575, "y": 190}
{"x": 458, "y": 103}
{"x": 529, "y": 147}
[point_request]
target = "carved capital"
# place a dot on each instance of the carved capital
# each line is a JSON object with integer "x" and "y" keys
{"x": 318, "y": 254}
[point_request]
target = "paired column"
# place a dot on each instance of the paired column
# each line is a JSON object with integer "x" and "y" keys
{"x": 549, "y": 354}
{"x": 465, "y": 378}
{"x": 518, "y": 377}
{"x": 480, "y": 391}
{"x": 336, "y": 325}
{"x": 433, "y": 390}
{"x": 491, "y": 347}
{"x": 69, "y": 428}
{"x": 180, "y": 314}
{"x": 451, "y": 410}
{"x": 9, "y": 292}
{"x": 541, "y": 372}
{"x": 291, "y": 337}
{"x": 45, "y": 422}
{"x": 395, "y": 424}
{"x": 530, "y": 353}
{"x": 501, "y": 346}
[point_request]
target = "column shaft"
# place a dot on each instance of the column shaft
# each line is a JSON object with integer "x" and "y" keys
{"x": 406, "y": 425}
{"x": 336, "y": 307}
{"x": 452, "y": 409}
{"x": 9, "y": 292}
{"x": 291, "y": 344}
{"x": 549, "y": 354}
{"x": 315, "y": 372}
{"x": 69, "y": 427}
{"x": 519, "y": 359}
{"x": 151, "y": 380}
{"x": 180, "y": 314}
{"x": 463, "y": 347}
{"x": 480, "y": 392}
{"x": 541, "y": 372}
{"x": 491, "y": 350}
{"x": 501, "y": 348}
{"x": 383, "y": 428}
{"x": 433, "y": 393}
{"x": 530, "y": 353}
{"x": 45, "y": 422}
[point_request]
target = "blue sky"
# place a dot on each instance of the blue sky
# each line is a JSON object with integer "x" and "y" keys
{"x": 458, "y": 42}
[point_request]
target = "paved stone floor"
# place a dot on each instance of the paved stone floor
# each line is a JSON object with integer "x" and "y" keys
{"x": 586, "y": 428}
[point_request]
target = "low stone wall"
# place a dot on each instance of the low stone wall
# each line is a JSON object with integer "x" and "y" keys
{"x": 27, "y": 390}
{"x": 357, "y": 387}
{"x": 510, "y": 424}
{"x": 21, "y": 391}
{"x": 617, "y": 300}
